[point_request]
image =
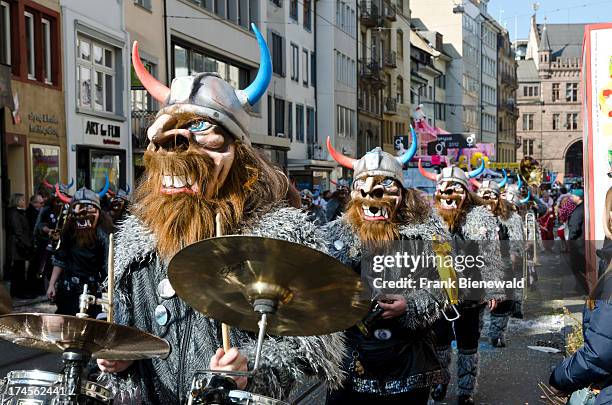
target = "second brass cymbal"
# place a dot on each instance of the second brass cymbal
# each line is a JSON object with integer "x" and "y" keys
{"x": 221, "y": 278}
{"x": 57, "y": 333}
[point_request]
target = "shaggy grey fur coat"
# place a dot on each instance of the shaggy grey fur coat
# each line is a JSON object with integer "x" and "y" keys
{"x": 480, "y": 228}
{"x": 423, "y": 304}
{"x": 287, "y": 362}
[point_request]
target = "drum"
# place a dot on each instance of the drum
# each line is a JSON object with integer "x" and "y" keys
{"x": 247, "y": 398}
{"x": 45, "y": 388}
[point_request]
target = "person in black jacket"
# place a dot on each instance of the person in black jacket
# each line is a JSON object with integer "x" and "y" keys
{"x": 591, "y": 365}
{"x": 81, "y": 258}
{"x": 19, "y": 247}
{"x": 575, "y": 226}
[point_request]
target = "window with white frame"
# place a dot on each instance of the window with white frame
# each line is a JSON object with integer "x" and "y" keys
{"x": 95, "y": 75}
{"x": 305, "y": 57}
{"x": 30, "y": 48}
{"x": 5, "y": 33}
{"x": 46, "y": 46}
{"x": 295, "y": 62}
{"x": 143, "y": 3}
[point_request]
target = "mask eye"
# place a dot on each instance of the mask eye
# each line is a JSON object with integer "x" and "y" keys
{"x": 199, "y": 126}
{"x": 386, "y": 183}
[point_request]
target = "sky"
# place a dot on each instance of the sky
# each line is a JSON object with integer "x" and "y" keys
{"x": 515, "y": 14}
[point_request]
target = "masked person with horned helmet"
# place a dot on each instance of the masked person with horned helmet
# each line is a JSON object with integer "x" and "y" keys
{"x": 511, "y": 237}
{"x": 474, "y": 233}
{"x": 200, "y": 163}
{"x": 393, "y": 358}
{"x": 118, "y": 206}
{"x": 82, "y": 254}
{"x": 519, "y": 207}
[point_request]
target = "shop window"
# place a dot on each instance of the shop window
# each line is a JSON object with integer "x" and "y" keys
{"x": 44, "y": 165}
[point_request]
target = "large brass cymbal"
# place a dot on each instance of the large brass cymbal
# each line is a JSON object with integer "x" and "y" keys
{"x": 221, "y": 277}
{"x": 104, "y": 340}
{"x": 6, "y": 304}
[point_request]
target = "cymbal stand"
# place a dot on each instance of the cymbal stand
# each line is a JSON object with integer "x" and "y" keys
{"x": 74, "y": 362}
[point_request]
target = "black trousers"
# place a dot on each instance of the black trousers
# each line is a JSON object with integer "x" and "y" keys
{"x": 465, "y": 330}
{"x": 504, "y": 308}
{"x": 416, "y": 397}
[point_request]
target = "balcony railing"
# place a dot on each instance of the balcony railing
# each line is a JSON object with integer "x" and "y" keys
{"x": 391, "y": 59}
{"x": 370, "y": 70}
{"x": 369, "y": 14}
{"x": 141, "y": 121}
{"x": 315, "y": 151}
{"x": 390, "y": 105}
{"x": 389, "y": 11}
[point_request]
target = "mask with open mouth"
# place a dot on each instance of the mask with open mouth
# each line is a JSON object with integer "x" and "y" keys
{"x": 377, "y": 192}
{"x": 86, "y": 215}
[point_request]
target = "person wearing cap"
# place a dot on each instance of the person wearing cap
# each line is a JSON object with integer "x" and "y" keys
{"x": 576, "y": 219}
{"x": 315, "y": 213}
{"x": 82, "y": 254}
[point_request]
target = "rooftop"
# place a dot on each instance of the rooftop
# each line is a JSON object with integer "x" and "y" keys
{"x": 565, "y": 40}
{"x": 527, "y": 71}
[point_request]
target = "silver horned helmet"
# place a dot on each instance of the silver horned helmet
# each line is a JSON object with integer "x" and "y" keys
{"x": 513, "y": 195}
{"x": 377, "y": 162}
{"x": 490, "y": 185}
{"x": 208, "y": 95}
{"x": 452, "y": 174}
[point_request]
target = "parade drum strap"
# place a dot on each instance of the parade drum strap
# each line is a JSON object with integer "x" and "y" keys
{"x": 446, "y": 271}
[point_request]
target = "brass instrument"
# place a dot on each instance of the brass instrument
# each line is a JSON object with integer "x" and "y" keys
{"x": 53, "y": 245}
{"x": 531, "y": 171}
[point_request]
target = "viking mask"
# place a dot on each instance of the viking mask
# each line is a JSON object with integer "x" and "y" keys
{"x": 200, "y": 122}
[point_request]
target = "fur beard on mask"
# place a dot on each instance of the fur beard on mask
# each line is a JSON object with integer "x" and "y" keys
{"x": 502, "y": 210}
{"x": 453, "y": 217}
{"x": 179, "y": 220}
{"x": 372, "y": 231}
{"x": 84, "y": 238}
{"x": 412, "y": 209}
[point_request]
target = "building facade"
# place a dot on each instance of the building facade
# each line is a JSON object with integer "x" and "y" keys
{"x": 336, "y": 78}
{"x": 213, "y": 36}
{"x": 471, "y": 41}
{"x": 97, "y": 75}
{"x": 144, "y": 22}
{"x": 35, "y": 143}
{"x": 549, "y": 127}
{"x": 507, "y": 112}
{"x": 396, "y": 62}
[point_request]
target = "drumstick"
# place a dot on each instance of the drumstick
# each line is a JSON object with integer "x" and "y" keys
{"x": 225, "y": 329}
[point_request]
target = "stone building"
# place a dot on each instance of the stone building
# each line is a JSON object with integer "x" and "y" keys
{"x": 549, "y": 126}
{"x": 507, "y": 111}
{"x": 383, "y": 50}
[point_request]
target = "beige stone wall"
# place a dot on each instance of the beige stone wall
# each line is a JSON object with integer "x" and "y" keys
{"x": 551, "y": 145}
{"x": 43, "y": 121}
{"x": 147, "y": 27}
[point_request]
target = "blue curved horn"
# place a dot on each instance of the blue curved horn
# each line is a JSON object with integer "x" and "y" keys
{"x": 258, "y": 87}
{"x": 68, "y": 186}
{"x": 104, "y": 190}
{"x": 526, "y": 199}
{"x": 520, "y": 181}
{"x": 505, "y": 180}
{"x": 405, "y": 158}
{"x": 476, "y": 172}
{"x": 127, "y": 189}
